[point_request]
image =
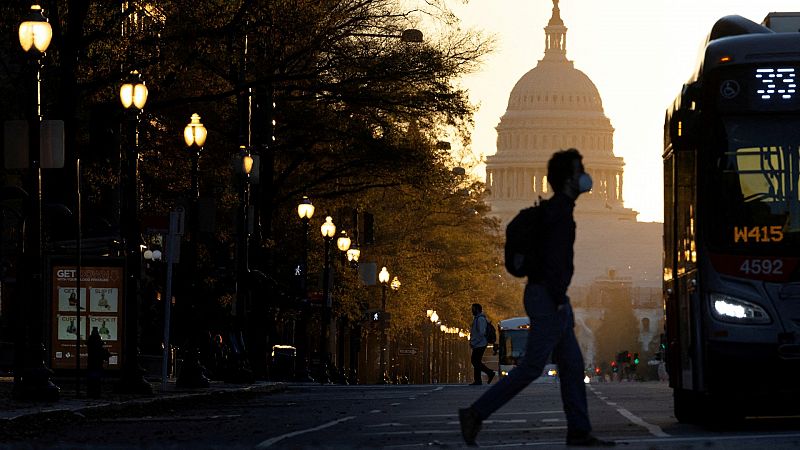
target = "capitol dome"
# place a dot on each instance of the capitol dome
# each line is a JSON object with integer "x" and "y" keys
{"x": 553, "y": 85}
{"x": 554, "y": 106}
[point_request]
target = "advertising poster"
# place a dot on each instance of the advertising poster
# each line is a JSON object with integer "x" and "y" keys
{"x": 103, "y": 288}
{"x": 68, "y": 328}
{"x": 106, "y": 326}
{"x": 68, "y": 299}
{"x": 103, "y": 299}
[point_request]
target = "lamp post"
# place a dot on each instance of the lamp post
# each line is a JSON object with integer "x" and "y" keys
{"x": 305, "y": 210}
{"x": 238, "y": 368}
{"x": 343, "y": 243}
{"x": 328, "y": 230}
{"x": 191, "y": 375}
{"x": 434, "y": 318}
{"x": 194, "y": 134}
{"x": 133, "y": 96}
{"x": 383, "y": 277}
{"x": 32, "y": 381}
{"x": 395, "y": 285}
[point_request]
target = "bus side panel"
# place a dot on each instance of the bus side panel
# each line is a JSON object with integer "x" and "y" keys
{"x": 673, "y": 350}
{"x": 691, "y": 313}
{"x": 680, "y": 266}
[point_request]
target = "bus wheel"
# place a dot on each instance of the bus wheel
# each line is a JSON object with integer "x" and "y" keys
{"x": 688, "y": 406}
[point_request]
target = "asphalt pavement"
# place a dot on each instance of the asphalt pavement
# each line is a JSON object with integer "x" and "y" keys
{"x": 73, "y": 402}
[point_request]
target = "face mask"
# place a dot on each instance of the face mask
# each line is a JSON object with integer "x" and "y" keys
{"x": 584, "y": 183}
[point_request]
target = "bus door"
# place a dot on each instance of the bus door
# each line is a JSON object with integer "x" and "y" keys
{"x": 684, "y": 315}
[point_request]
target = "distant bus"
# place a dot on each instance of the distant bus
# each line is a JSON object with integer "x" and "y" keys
{"x": 511, "y": 342}
{"x": 732, "y": 228}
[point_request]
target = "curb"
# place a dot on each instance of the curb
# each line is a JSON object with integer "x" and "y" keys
{"x": 102, "y": 409}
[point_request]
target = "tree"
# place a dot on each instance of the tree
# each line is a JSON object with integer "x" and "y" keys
{"x": 350, "y": 108}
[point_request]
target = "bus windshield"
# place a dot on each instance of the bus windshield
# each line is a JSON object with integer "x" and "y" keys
{"x": 512, "y": 346}
{"x": 754, "y": 206}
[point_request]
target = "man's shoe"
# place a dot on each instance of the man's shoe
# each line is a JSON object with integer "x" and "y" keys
{"x": 587, "y": 440}
{"x": 470, "y": 424}
{"x": 477, "y": 383}
{"x": 491, "y": 377}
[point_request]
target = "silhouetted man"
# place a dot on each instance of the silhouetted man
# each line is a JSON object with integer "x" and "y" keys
{"x": 478, "y": 343}
{"x": 548, "y": 307}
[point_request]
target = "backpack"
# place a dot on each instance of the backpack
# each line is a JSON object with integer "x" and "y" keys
{"x": 491, "y": 334}
{"x": 522, "y": 246}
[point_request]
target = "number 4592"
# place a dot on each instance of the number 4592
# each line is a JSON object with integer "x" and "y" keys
{"x": 762, "y": 266}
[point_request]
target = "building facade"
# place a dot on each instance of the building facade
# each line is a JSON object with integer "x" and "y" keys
{"x": 556, "y": 106}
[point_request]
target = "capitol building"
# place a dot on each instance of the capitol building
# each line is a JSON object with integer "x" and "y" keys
{"x": 556, "y": 106}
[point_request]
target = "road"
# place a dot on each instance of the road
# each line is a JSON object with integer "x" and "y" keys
{"x": 636, "y": 415}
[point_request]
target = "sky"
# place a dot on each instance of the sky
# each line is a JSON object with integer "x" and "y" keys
{"x": 637, "y": 52}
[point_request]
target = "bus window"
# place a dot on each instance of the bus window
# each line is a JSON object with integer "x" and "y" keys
{"x": 760, "y": 174}
{"x": 756, "y": 201}
{"x": 512, "y": 346}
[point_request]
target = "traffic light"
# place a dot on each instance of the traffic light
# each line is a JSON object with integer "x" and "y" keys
{"x": 597, "y": 370}
{"x": 628, "y": 357}
{"x": 635, "y": 359}
{"x": 614, "y": 367}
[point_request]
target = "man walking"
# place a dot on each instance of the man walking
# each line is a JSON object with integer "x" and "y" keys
{"x": 478, "y": 342}
{"x": 548, "y": 307}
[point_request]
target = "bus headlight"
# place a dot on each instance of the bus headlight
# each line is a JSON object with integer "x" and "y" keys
{"x": 731, "y": 309}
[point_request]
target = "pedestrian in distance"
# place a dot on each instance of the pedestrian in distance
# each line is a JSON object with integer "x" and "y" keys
{"x": 551, "y": 317}
{"x": 478, "y": 343}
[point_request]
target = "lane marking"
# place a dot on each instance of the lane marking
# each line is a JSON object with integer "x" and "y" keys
{"x": 560, "y": 443}
{"x": 490, "y": 421}
{"x": 269, "y": 442}
{"x": 388, "y": 424}
{"x": 458, "y": 431}
{"x": 493, "y": 415}
{"x": 655, "y": 430}
{"x": 715, "y": 438}
{"x": 170, "y": 419}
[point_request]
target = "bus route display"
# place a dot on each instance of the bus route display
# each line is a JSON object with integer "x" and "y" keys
{"x": 759, "y": 88}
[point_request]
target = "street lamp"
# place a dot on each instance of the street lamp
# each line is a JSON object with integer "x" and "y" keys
{"x": 133, "y": 95}
{"x": 133, "y": 92}
{"x": 383, "y": 277}
{"x": 343, "y": 242}
{"x": 32, "y": 380}
{"x": 239, "y": 367}
{"x": 35, "y": 32}
{"x": 328, "y": 230}
{"x": 244, "y": 238}
{"x": 191, "y": 375}
{"x": 353, "y": 253}
{"x": 433, "y": 316}
{"x": 305, "y": 210}
{"x": 195, "y": 136}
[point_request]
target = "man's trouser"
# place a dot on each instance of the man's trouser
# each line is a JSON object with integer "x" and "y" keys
{"x": 551, "y": 331}
{"x": 477, "y": 364}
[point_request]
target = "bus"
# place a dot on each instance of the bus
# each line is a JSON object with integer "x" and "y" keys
{"x": 731, "y": 281}
{"x": 511, "y": 344}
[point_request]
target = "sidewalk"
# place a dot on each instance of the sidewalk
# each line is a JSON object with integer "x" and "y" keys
{"x": 12, "y": 410}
